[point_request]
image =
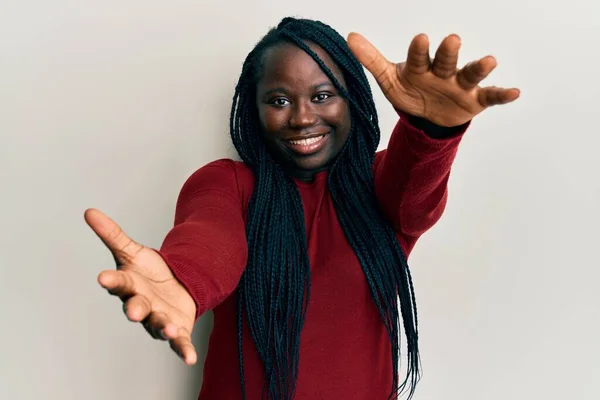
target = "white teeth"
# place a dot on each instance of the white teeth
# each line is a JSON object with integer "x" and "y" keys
{"x": 306, "y": 142}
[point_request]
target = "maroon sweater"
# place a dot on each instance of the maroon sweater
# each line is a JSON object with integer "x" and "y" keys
{"x": 345, "y": 351}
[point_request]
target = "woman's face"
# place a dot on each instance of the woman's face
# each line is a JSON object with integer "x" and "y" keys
{"x": 304, "y": 119}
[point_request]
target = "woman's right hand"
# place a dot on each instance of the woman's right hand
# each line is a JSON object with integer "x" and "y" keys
{"x": 150, "y": 292}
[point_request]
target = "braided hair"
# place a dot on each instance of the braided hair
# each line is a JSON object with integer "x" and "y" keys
{"x": 274, "y": 289}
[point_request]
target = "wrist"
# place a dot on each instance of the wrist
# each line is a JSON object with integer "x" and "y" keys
{"x": 431, "y": 129}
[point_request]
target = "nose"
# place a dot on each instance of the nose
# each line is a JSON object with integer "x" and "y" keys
{"x": 303, "y": 115}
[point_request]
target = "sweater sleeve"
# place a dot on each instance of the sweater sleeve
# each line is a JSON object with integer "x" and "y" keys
{"x": 206, "y": 249}
{"x": 411, "y": 175}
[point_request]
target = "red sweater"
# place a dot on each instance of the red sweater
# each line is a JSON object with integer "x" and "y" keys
{"x": 345, "y": 351}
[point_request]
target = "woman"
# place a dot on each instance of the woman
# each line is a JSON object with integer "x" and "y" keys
{"x": 300, "y": 249}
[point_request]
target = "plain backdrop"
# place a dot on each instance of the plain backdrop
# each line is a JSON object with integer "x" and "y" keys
{"x": 114, "y": 104}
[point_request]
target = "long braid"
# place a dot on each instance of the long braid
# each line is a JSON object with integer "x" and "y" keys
{"x": 274, "y": 290}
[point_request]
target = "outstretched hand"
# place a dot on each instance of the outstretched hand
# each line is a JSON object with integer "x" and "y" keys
{"x": 436, "y": 89}
{"x": 144, "y": 282}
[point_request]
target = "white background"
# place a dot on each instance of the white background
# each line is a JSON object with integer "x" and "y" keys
{"x": 114, "y": 104}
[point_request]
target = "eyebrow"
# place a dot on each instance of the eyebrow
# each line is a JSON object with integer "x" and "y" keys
{"x": 320, "y": 85}
{"x": 282, "y": 89}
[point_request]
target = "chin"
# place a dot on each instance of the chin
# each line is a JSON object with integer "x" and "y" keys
{"x": 312, "y": 165}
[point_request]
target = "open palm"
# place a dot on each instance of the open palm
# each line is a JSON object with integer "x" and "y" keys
{"x": 433, "y": 89}
{"x": 150, "y": 292}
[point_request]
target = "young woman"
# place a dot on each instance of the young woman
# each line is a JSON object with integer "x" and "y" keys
{"x": 300, "y": 249}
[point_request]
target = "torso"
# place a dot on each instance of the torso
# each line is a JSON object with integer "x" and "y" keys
{"x": 345, "y": 351}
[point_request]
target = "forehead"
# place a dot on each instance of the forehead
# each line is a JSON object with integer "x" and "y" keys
{"x": 288, "y": 64}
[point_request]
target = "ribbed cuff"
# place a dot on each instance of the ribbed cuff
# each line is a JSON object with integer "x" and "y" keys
{"x": 420, "y": 141}
{"x": 431, "y": 129}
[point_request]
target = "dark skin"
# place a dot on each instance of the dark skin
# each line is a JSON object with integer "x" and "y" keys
{"x": 296, "y": 100}
{"x": 435, "y": 90}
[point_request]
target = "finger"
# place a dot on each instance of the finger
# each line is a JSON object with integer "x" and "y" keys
{"x": 137, "y": 308}
{"x": 474, "y": 72}
{"x": 370, "y": 57}
{"x": 491, "y": 96}
{"x": 183, "y": 346}
{"x": 446, "y": 57}
{"x": 123, "y": 248}
{"x": 160, "y": 326}
{"x": 118, "y": 283}
{"x": 418, "y": 60}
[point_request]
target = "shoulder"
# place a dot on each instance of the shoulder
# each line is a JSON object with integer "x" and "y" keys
{"x": 225, "y": 176}
{"x": 378, "y": 158}
{"x": 221, "y": 172}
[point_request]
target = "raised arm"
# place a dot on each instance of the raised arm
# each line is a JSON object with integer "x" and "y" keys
{"x": 199, "y": 264}
{"x": 206, "y": 249}
{"x": 411, "y": 175}
{"x": 436, "y": 102}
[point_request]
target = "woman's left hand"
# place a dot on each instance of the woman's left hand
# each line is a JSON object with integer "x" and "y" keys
{"x": 434, "y": 90}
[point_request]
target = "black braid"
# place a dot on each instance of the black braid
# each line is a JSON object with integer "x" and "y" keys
{"x": 276, "y": 282}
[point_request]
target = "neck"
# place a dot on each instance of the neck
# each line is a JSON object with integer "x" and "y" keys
{"x": 302, "y": 174}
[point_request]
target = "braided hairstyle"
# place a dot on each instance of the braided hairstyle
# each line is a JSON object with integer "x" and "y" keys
{"x": 274, "y": 289}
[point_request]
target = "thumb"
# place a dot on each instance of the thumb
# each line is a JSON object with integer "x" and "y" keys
{"x": 370, "y": 57}
{"x": 120, "y": 245}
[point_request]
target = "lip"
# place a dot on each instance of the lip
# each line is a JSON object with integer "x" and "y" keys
{"x": 307, "y": 135}
{"x": 306, "y": 150}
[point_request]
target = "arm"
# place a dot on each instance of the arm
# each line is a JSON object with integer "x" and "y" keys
{"x": 206, "y": 249}
{"x": 411, "y": 175}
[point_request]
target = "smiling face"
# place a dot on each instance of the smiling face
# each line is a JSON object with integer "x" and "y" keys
{"x": 304, "y": 119}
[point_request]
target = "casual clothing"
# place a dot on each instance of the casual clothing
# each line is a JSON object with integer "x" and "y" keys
{"x": 345, "y": 351}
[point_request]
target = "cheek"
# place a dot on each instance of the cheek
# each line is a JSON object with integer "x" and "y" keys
{"x": 272, "y": 120}
{"x": 338, "y": 115}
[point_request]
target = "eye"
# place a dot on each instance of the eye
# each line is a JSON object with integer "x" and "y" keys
{"x": 280, "y": 102}
{"x": 321, "y": 97}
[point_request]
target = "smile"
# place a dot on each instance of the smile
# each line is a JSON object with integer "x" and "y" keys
{"x": 306, "y": 142}
{"x": 307, "y": 146}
